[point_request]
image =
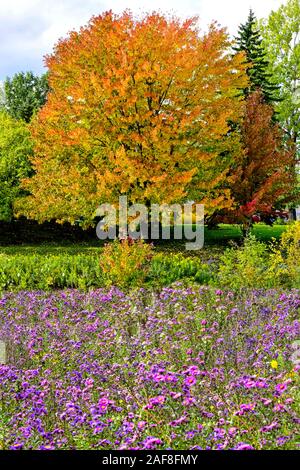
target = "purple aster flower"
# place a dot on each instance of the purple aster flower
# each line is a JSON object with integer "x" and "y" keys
{"x": 243, "y": 446}
{"x": 190, "y": 380}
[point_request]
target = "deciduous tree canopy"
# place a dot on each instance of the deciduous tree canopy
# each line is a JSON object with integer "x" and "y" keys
{"x": 281, "y": 39}
{"x": 25, "y": 94}
{"x": 266, "y": 173}
{"x": 15, "y": 149}
{"x": 141, "y": 108}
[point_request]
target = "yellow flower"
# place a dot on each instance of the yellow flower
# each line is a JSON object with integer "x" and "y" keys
{"x": 274, "y": 364}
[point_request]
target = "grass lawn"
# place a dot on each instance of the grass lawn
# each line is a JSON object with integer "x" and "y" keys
{"x": 225, "y": 233}
{"x": 37, "y": 243}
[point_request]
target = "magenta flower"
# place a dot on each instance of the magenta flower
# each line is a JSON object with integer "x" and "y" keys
{"x": 159, "y": 400}
{"x": 190, "y": 380}
{"x": 280, "y": 388}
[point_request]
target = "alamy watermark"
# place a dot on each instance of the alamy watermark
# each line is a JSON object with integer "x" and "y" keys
{"x": 152, "y": 223}
{"x": 295, "y": 357}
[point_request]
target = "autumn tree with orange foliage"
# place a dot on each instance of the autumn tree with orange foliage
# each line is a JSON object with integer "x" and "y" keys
{"x": 138, "y": 108}
{"x": 265, "y": 175}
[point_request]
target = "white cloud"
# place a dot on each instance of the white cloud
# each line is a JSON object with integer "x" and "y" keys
{"x": 30, "y": 28}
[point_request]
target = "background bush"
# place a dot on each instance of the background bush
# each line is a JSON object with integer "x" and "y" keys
{"x": 246, "y": 266}
{"x": 15, "y": 151}
{"x": 258, "y": 265}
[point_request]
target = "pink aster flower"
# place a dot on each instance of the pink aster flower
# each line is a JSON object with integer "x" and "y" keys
{"x": 247, "y": 407}
{"x": 170, "y": 378}
{"x": 178, "y": 422}
{"x": 175, "y": 395}
{"x": 280, "y": 388}
{"x": 266, "y": 401}
{"x": 89, "y": 383}
{"x": 151, "y": 442}
{"x": 141, "y": 425}
{"x": 279, "y": 407}
{"x": 190, "y": 380}
{"x": 159, "y": 400}
{"x": 158, "y": 377}
{"x": 232, "y": 431}
{"x": 193, "y": 370}
{"x": 188, "y": 401}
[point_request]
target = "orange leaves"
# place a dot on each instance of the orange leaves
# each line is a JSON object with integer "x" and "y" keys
{"x": 145, "y": 106}
{"x": 266, "y": 170}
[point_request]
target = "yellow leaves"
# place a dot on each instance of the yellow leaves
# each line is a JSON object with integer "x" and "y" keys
{"x": 149, "y": 115}
{"x": 157, "y": 68}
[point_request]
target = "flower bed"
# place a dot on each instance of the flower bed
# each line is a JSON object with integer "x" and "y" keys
{"x": 185, "y": 368}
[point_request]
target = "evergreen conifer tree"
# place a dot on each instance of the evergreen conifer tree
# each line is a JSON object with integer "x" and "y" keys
{"x": 249, "y": 40}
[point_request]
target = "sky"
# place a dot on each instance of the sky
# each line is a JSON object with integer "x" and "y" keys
{"x": 30, "y": 28}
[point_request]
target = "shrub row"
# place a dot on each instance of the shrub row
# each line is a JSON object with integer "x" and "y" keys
{"x": 51, "y": 272}
{"x": 34, "y": 272}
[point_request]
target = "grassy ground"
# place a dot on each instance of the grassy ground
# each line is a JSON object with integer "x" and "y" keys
{"x": 225, "y": 233}
{"x": 47, "y": 240}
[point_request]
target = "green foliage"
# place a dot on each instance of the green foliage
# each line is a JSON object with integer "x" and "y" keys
{"x": 285, "y": 259}
{"x": 15, "y": 150}
{"x": 167, "y": 269}
{"x": 244, "y": 267}
{"x": 52, "y": 272}
{"x": 281, "y": 34}
{"x": 2, "y": 95}
{"x": 125, "y": 262}
{"x": 25, "y": 94}
{"x": 249, "y": 41}
{"x": 120, "y": 264}
{"x": 257, "y": 265}
{"x": 23, "y": 236}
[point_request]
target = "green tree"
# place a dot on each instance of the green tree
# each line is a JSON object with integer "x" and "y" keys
{"x": 281, "y": 39}
{"x": 25, "y": 94}
{"x": 249, "y": 41}
{"x": 15, "y": 150}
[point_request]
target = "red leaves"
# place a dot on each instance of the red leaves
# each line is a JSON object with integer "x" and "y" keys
{"x": 266, "y": 172}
